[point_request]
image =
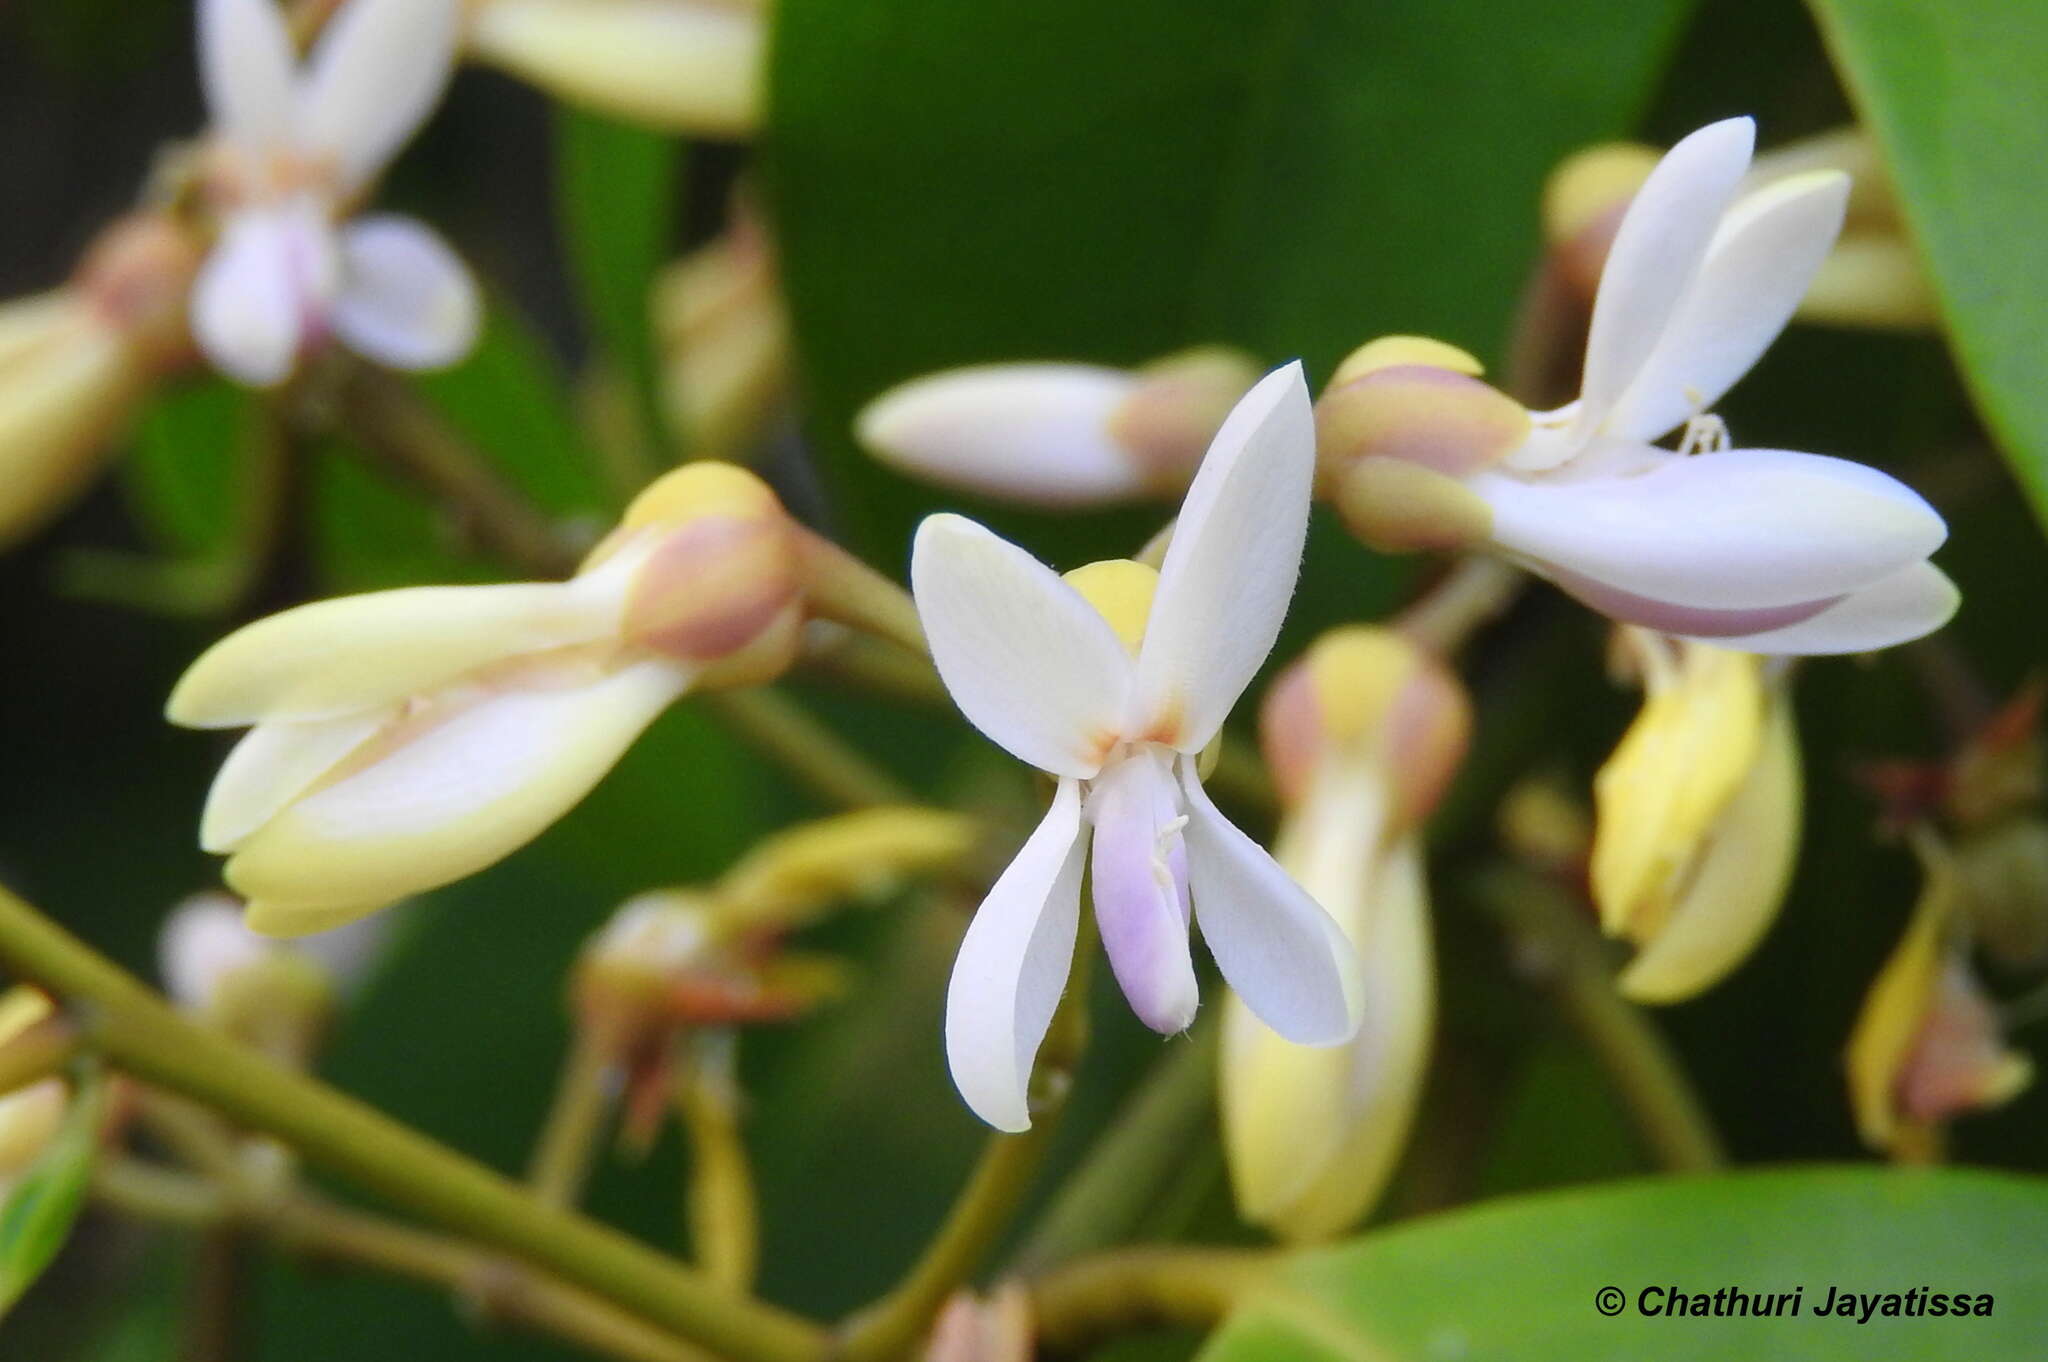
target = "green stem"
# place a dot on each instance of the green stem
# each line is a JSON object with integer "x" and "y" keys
{"x": 1115, "y": 1293}
{"x": 889, "y": 1328}
{"x": 575, "y": 1122}
{"x": 841, "y": 587}
{"x": 783, "y": 730}
{"x": 140, "y": 1033}
{"x": 1553, "y": 930}
{"x": 1103, "y": 1200}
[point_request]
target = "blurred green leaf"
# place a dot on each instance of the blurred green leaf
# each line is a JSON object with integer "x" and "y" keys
{"x": 617, "y": 190}
{"x": 41, "y": 1206}
{"x": 954, "y": 183}
{"x": 185, "y": 476}
{"x": 1953, "y": 93}
{"x": 1519, "y": 1278}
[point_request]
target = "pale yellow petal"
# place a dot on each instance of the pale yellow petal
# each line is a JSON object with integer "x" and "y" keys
{"x": 1889, "y": 1023}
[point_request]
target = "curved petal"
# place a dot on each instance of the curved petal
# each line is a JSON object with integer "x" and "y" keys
{"x": 405, "y": 298}
{"x": 261, "y": 291}
{"x": 1013, "y": 966}
{"x": 1657, "y": 249}
{"x": 59, "y": 405}
{"x": 246, "y": 65}
{"x": 447, "y": 801}
{"x": 1766, "y": 253}
{"x": 378, "y": 71}
{"x": 1281, "y": 952}
{"x": 1740, "y": 881}
{"x": 274, "y": 764}
{"x": 689, "y": 67}
{"x": 1909, "y": 604}
{"x": 354, "y": 653}
{"x": 1230, "y": 570}
{"x": 1140, "y": 885}
{"x": 1741, "y": 529}
{"x": 1036, "y": 433}
{"x": 1029, "y": 662}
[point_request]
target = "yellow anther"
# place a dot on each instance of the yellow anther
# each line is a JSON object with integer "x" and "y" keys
{"x": 1121, "y": 591}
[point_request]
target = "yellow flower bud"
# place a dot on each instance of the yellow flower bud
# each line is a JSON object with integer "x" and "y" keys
{"x": 1698, "y": 818}
{"x": 724, "y": 338}
{"x": 1926, "y": 1046}
{"x": 1399, "y": 507}
{"x": 1388, "y": 352}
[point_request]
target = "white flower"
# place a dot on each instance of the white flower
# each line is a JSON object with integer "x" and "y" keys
{"x": 291, "y": 149}
{"x": 1114, "y": 680}
{"x": 1760, "y": 550}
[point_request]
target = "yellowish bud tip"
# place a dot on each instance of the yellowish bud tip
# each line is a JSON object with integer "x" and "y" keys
{"x": 1433, "y": 417}
{"x": 1168, "y": 420}
{"x": 1121, "y": 591}
{"x": 22, "y": 1007}
{"x": 1368, "y": 694}
{"x": 1399, "y": 507}
{"x": 699, "y": 490}
{"x": 29, "y": 1119}
{"x": 1393, "y": 352}
{"x": 1592, "y": 187}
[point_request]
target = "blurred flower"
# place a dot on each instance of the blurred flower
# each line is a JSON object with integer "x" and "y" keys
{"x": 1058, "y": 434}
{"x": 1362, "y": 735}
{"x": 688, "y": 66}
{"x": 997, "y": 1327}
{"x": 76, "y": 362}
{"x": 290, "y": 150}
{"x": 404, "y": 739}
{"x": 1761, "y": 550}
{"x": 1698, "y": 816}
{"x": 1113, "y": 680}
{"x": 29, "y": 1116}
{"x": 724, "y": 336}
{"x": 1927, "y": 1046}
{"x": 1872, "y": 277}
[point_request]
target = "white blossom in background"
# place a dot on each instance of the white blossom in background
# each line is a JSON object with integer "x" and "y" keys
{"x": 205, "y": 945}
{"x": 1759, "y": 550}
{"x": 291, "y": 149}
{"x": 1113, "y": 680}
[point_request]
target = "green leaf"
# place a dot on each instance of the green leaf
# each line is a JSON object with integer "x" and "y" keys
{"x": 954, "y": 182}
{"x": 1953, "y": 93}
{"x": 37, "y": 1215}
{"x": 617, "y": 193}
{"x": 1519, "y": 1279}
{"x": 185, "y": 476}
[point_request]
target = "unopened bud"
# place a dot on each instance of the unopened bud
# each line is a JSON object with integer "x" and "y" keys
{"x": 275, "y": 997}
{"x": 720, "y": 586}
{"x": 689, "y": 66}
{"x": 1368, "y": 694}
{"x": 1121, "y": 590}
{"x": 1177, "y": 407}
{"x": 30, "y": 1116}
{"x": 725, "y": 341}
{"x": 1545, "y": 827}
{"x": 136, "y": 279}
{"x": 1400, "y": 507}
{"x": 1583, "y": 203}
{"x": 1434, "y": 417}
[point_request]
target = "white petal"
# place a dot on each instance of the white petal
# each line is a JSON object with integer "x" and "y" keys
{"x": 1230, "y": 570}
{"x": 1909, "y": 604}
{"x": 245, "y": 70}
{"x": 1738, "y": 529}
{"x": 274, "y": 764}
{"x": 451, "y": 800}
{"x": 1036, "y": 433}
{"x": 1140, "y": 887}
{"x": 1013, "y": 966}
{"x": 1029, "y": 662}
{"x": 405, "y": 298}
{"x": 686, "y": 67}
{"x": 378, "y": 71}
{"x": 262, "y": 290}
{"x": 1770, "y": 246}
{"x": 354, "y": 653}
{"x": 1281, "y": 952}
{"x": 1661, "y": 241}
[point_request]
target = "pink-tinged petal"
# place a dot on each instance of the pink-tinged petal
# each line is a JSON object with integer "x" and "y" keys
{"x": 1035, "y": 433}
{"x": 405, "y": 298}
{"x": 1029, "y": 662}
{"x": 378, "y": 71}
{"x": 1140, "y": 885}
{"x": 1909, "y": 604}
{"x": 1277, "y": 948}
{"x": 1741, "y": 529}
{"x": 355, "y": 653}
{"x": 245, "y": 70}
{"x": 1768, "y": 249}
{"x": 1231, "y": 568}
{"x": 262, "y": 293}
{"x": 273, "y": 765}
{"x": 1662, "y": 240}
{"x": 1013, "y": 966}
{"x": 445, "y": 801}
